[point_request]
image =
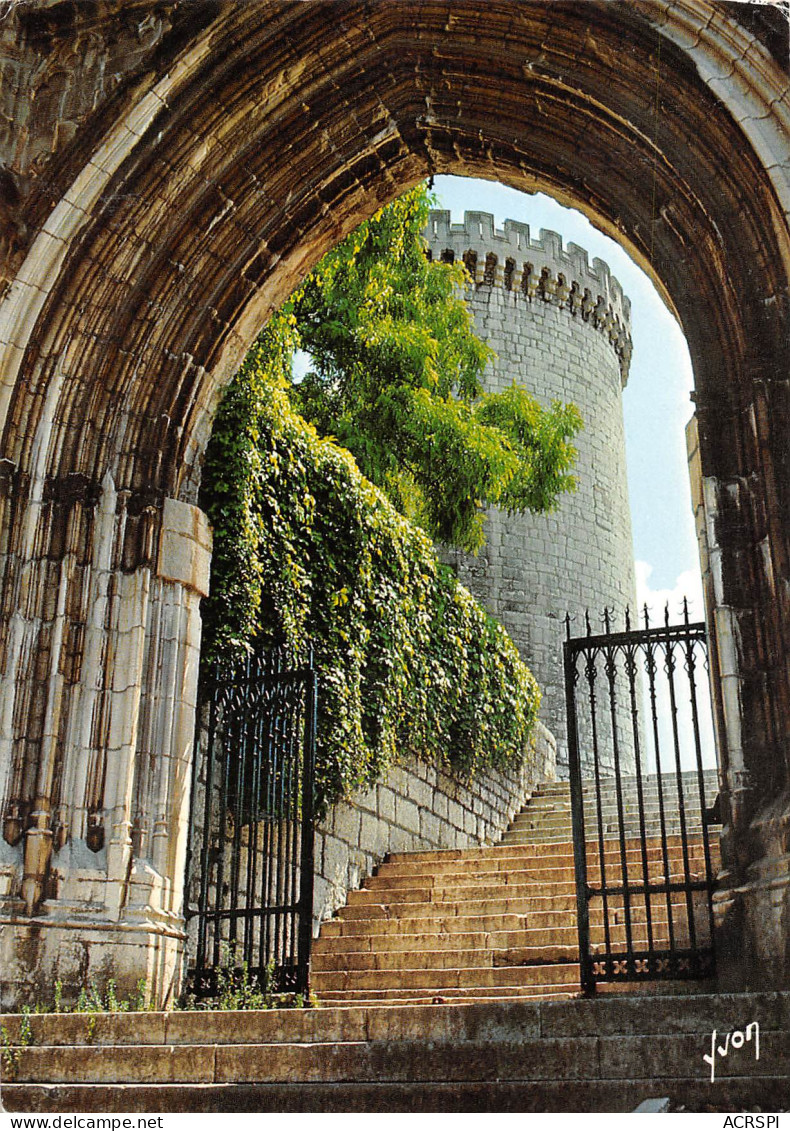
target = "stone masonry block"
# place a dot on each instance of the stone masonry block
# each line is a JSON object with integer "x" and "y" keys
{"x": 346, "y": 825}
{"x": 430, "y": 826}
{"x": 439, "y": 804}
{"x": 374, "y": 835}
{"x": 407, "y": 814}
{"x": 420, "y": 792}
{"x": 455, "y": 815}
{"x": 335, "y": 859}
{"x": 385, "y": 805}
{"x": 367, "y": 801}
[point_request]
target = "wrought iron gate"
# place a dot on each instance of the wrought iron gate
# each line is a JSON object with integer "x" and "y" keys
{"x": 644, "y": 861}
{"x": 250, "y": 865}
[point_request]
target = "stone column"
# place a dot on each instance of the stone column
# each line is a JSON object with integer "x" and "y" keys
{"x": 751, "y": 904}
{"x": 97, "y": 709}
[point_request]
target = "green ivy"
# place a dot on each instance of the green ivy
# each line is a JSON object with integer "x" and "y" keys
{"x": 309, "y": 552}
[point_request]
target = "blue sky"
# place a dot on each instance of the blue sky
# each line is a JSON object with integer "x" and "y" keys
{"x": 656, "y": 402}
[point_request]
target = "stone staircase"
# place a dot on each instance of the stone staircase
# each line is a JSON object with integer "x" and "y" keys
{"x": 445, "y": 985}
{"x": 605, "y": 1055}
{"x": 547, "y": 816}
{"x": 500, "y": 922}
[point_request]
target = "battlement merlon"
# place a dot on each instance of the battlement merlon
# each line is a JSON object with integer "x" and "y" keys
{"x": 591, "y": 292}
{"x": 477, "y": 233}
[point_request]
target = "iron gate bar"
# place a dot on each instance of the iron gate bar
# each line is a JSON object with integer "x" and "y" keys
{"x": 577, "y": 820}
{"x": 308, "y": 818}
{"x": 630, "y": 664}
{"x": 669, "y": 667}
{"x": 611, "y": 673}
{"x": 675, "y": 960}
{"x": 650, "y": 664}
{"x": 691, "y": 665}
{"x": 591, "y": 673}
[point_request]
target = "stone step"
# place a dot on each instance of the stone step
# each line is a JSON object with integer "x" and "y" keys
{"x": 611, "y": 830}
{"x": 623, "y": 1095}
{"x": 629, "y": 800}
{"x": 518, "y": 888}
{"x": 692, "y": 821}
{"x": 517, "y": 839}
{"x": 541, "y": 931}
{"x": 517, "y": 836}
{"x": 443, "y": 958}
{"x": 514, "y": 887}
{"x": 535, "y": 1058}
{"x": 603, "y": 1016}
{"x": 651, "y": 816}
{"x": 427, "y": 955}
{"x": 528, "y": 818}
{"x": 710, "y": 774}
{"x": 538, "y": 837}
{"x": 350, "y": 1061}
{"x": 434, "y": 909}
{"x": 398, "y": 996}
{"x": 450, "y": 893}
{"x": 381, "y": 924}
{"x": 514, "y": 840}
{"x": 514, "y": 861}
{"x": 670, "y": 799}
{"x": 506, "y": 948}
{"x": 609, "y": 798}
{"x": 629, "y": 788}
{"x": 426, "y": 941}
{"x": 490, "y": 879}
{"x": 554, "y": 974}
{"x": 560, "y": 846}
{"x": 482, "y": 906}
{"x": 630, "y": 822}
{"x": 492, "y": 1052}
{"x": 525, "y": 907}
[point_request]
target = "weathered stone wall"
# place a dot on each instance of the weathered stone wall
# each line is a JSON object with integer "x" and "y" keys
{"x": 418, "y": 806}
{"x": 561, "y": 327}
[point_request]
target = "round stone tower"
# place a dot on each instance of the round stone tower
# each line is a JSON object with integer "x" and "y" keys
{"x": 561, "y": 328}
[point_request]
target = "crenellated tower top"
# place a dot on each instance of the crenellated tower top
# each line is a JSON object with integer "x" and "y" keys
{"x": 538, "y": 270}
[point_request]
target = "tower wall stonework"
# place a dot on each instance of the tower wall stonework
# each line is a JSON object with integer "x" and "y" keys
{"x": 561, "y": 327}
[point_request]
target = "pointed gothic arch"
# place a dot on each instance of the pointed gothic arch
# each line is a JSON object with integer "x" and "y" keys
{"x": 150, "y": 234}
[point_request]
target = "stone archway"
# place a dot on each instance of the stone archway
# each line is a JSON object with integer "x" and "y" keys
{"x": 162, "y": 198}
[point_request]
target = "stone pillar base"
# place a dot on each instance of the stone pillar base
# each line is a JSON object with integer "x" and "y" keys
{"x": 752, "y": 912}
{"x": 77, "y": 950}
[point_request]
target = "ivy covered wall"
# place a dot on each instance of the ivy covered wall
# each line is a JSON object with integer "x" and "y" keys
{"x": 307, "y": 552}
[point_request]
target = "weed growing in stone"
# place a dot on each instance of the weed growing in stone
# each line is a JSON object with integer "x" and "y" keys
{"x": 10, "y": 1049}
{"x": 90, "y": 1000}
{"x": 238, "y": 988}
